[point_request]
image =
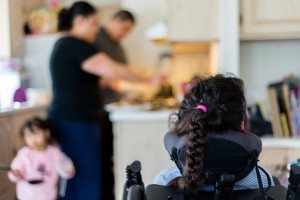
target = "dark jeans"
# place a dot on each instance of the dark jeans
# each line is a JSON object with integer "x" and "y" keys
{"x": 81, "y": 142}
{"x": 107, "y": 158}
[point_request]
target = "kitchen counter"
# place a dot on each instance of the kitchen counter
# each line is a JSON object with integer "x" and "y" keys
{"x": 140, "y": 115}
{"x": 20, "y": 109}
{"x": 273, "y": 142}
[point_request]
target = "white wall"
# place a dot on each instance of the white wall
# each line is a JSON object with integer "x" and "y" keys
{"x": 5, "y": 34}
{"x": 229, "y": 37}
{"x": 142, "y": 53}
{"x": 36, "y": 59}
{"x": 263, "y": 62}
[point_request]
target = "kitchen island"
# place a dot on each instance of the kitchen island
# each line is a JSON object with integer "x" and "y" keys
{"x": 11, "y": 120}
{"x": 138, "y": 135}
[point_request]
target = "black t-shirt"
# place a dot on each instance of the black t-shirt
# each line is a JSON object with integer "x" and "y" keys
{"x": 76, "y": 93}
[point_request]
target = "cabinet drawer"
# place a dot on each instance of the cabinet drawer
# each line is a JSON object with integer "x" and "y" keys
{"x": 9, "y": 195}
{"x": 7, "y": 188}
{"x": 5, "y": 140}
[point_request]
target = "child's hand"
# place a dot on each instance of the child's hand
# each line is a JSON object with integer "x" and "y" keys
{"x": 17, "y": 173}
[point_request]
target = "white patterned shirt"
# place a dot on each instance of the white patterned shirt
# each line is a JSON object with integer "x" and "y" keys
{"x": 249, "y": 182}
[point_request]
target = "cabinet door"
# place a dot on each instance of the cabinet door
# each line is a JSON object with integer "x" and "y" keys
{"x": 11, "y": 37}
{"x": 143, "y": 141}
{"x": 16, "y": 27}
{"x": 270, "y": 19}
{"x": 6, "y": 186}
{"x": 193, "y": 20}
{"x": 5, "y": 135}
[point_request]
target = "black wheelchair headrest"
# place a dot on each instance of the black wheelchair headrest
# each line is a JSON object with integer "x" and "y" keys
{"x": 230, "y": 152}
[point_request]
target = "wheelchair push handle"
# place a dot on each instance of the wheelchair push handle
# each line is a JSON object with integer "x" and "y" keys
{"x": 134, "y": 186}
{"x": 133, "y": 174}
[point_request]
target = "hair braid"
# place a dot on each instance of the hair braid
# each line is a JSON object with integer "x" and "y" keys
{"x": 191, "y": 180}
{"x": 223, "y": 96}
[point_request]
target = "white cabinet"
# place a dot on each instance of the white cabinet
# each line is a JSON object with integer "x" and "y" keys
{"x": 193, "y": 20}
{"x": 139, "y": 136}
{"x": 270, "y": 19}
{"x": 279, "y": 151}
{"x": 93, "y": 2}
{"x": 11, "y": 37}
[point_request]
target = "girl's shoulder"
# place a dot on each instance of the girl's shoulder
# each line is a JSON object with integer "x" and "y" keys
{"x": 24, "y": 150}
{"x": 24, "y": 153}
{"x": 53, "y": 149}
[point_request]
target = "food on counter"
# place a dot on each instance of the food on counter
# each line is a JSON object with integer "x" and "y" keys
{"x": 165, "y": 91}
{"x": 163, "y": 104}
{"x": 154, "y": 104}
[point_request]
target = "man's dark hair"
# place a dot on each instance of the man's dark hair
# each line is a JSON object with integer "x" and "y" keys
{"x": 124, "y": 15}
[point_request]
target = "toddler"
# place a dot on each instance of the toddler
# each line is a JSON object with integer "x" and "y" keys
{"x": 38, "y": 165}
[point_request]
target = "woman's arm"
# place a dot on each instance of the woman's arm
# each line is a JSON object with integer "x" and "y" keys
{"x": 101, "y": 65}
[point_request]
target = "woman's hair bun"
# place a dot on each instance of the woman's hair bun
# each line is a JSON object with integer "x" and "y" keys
{"x": 64, "y": 20}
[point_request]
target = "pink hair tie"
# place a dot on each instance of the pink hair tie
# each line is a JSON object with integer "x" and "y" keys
{"x": 202, "y": 107}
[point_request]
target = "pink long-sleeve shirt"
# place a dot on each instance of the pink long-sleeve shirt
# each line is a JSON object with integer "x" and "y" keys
{"x": 44, "y": 165}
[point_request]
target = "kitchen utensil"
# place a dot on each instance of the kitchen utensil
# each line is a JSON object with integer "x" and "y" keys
{"x": 32, "y": 181}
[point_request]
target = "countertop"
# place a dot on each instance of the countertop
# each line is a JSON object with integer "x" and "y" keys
{"x": 163, "y": 115}
{"x": 20, "y": 108}
{"x": 267, "y": 142}
{"x": 273, "y": 142}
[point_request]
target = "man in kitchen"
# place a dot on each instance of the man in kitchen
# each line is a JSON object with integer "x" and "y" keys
{"x": 108, "y": 41}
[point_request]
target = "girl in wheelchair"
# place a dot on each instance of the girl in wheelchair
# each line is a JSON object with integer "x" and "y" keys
{"x": 208, "y": 135}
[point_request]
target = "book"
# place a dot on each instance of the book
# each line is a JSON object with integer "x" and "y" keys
{"x": 295, "y": 122}
{"x": 275, "y": 114}
{"x": 285, "y": 126}
{"x": 287, "y": 108}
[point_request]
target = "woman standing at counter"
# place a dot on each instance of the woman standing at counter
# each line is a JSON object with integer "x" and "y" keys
{"x": 76, "y": 67}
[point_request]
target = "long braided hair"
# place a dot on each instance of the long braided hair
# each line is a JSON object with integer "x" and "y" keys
{"x": 223, "y": 97}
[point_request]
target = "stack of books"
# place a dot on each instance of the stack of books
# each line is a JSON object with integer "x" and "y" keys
{"x": 284, "y": 98}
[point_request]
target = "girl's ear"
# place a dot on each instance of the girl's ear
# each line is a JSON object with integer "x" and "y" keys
{"x": 47, "y": 133}
{"x": 242, "y": 126}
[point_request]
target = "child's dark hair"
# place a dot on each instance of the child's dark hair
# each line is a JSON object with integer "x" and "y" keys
{"x": 66, "y": 16}
{"x": 223, "y": 97}
{"x": 40, "y": 123}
